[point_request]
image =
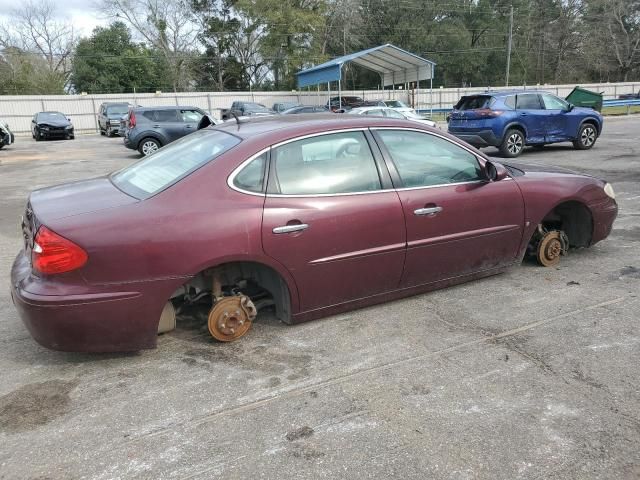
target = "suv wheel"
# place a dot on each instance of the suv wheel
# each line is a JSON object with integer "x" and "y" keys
{"x": 512, "y": 144}
{"x": 587, "y": 136}
{"x": 148, "y": 146}
{"x": 109, "y": 132}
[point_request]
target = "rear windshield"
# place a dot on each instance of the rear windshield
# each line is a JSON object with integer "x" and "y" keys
{"x": 172, "y": 163}
{"x": 474, "y": 102}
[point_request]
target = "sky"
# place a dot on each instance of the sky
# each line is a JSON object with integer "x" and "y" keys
{"x": 81, "y": 12}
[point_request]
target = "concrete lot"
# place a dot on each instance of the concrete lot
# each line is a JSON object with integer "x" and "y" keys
{"x": 532, "y": 374}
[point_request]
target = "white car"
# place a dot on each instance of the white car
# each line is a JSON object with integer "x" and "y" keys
{"x": 398, "y": 106}
{"x": 392, "y": 113}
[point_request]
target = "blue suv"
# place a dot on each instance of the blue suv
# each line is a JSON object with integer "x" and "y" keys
{"x": 510, "y": 120}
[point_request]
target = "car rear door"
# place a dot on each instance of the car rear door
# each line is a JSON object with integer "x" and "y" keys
{"x": 457, "y": 221}
{"x": 168, "y": 123}
{"x": 332, "y": 219}
{"x": 531, "y": 114}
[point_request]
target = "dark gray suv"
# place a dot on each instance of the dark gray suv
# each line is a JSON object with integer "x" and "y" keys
{"x": 149, "y": 128}
{"x": 109, "y": 116}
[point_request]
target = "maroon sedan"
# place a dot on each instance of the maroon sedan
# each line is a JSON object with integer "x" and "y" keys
{"x": 308, "y": 215}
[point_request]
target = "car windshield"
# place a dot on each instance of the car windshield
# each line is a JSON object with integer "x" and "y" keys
{"x": 172, "y": 163}
{"x": 396, "y": 104}
{"x": 47, "y": 116}
{"x": 255, "y": 107}
{"x": 117, "y": 110}
{"x": 474, "y": 102}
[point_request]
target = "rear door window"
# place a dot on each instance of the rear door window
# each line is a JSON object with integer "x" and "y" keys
{"x": 528, "y": 101}
{"x": 165, "y": 116}
{"x": 326, "y": 164}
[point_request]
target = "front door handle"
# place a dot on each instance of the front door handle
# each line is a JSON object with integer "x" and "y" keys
{"x": 427, "y": 211}
{"x": 298, "y": 227}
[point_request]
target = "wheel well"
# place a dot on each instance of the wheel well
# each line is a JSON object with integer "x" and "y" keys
{"x": 249, "y": 278}
{"x": 157, "y": 139}
{"x": 574, "y": 219}
{"x": 515, "y": 126}
{"x": 592, "y": 122}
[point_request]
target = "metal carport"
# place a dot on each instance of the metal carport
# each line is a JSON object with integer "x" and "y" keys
{"x": 394, "y": 65}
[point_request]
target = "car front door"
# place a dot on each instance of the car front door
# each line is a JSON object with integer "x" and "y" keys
{"x": 190, "y": 118}
{"x": 332, "y": 219}
{"x": 457, "y": 221}
{"x": 556, "y": 119}
{"x": 532, "y": 115}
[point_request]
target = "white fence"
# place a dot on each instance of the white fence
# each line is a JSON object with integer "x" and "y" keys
{"x": 18, "y": 111}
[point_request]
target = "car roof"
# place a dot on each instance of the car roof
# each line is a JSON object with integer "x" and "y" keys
{"x": 164, "y": 107}
{"x": 504, "y": 93}
{"x": 272, "y": 129}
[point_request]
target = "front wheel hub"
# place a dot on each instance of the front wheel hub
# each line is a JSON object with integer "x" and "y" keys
{"x": 231, "y": 318}
{"x": 551, "y": 246}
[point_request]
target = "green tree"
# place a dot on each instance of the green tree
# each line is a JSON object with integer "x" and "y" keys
{"x": 109, "y": 62}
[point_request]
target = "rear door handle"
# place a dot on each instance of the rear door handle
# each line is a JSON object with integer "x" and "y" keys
{"x": 157, "y": 126}
{"x": 298, "y": 227}
{"x": 427, "y": 211}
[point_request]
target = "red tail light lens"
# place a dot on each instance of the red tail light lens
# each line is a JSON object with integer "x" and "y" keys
{"x": 487, "y": 112}
{"x": 55, "y": 254}
{"x": 132, "y": 119}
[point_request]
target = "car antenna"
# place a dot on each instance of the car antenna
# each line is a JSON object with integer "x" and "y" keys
{"x": 238, "y": 121}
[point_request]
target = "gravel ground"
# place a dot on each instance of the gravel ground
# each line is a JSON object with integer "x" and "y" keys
{"x": 532, "y": 374}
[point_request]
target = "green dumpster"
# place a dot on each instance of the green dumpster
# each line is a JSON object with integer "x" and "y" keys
{"x": 585, "y": 98}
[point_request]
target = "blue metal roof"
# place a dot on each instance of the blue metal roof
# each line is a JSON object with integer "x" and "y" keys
{"x": 394, "y": 65}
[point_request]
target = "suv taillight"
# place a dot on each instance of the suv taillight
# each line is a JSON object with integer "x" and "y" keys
{"x": 52, "y": 253}
{"x": 132, "y": 119}
{"x": 487, "y": 112}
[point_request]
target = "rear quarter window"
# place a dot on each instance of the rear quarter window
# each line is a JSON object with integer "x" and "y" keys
{"x": 510, "y": 102}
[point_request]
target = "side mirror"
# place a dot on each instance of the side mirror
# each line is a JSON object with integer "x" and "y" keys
{"x": 496, "y": 171}
{"x": 570, "y": 107}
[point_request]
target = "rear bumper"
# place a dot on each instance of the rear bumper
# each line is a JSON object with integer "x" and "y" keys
{"x": 480, "y": 138}
{"x": 116, "y": 321}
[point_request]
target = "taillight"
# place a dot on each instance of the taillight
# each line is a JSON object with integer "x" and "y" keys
{"x": 487, "y": 112}
{"x": 132, "y": 119}
{"x": 52, "y": 253}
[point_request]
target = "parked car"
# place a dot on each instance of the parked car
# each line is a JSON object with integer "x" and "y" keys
{"x": 282, "y": 106}
{"x": 356, "y": 210}
{"x": 630, "y": 96}
{"x": 6, "y": 135}
{"x": 510, "y": 120}
{"x": 110, "y": 115}
{"x": 304, "y": 109}
{"x": 246, "y": 109}
{"x": 150, "y": 128}
{"x": 48, "y": 125}
{"x": 391, "y": 113}
{"x": 336, "y": 104}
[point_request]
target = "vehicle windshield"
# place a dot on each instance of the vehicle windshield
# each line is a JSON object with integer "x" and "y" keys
{"x": 47, "y": 116}
{"x": 474, "y": 102}
{"x": 255, "y": 107}
{"x": 118, "y": 110}
{"x": 396, "y": 104}
{"x": 172, "y": 163}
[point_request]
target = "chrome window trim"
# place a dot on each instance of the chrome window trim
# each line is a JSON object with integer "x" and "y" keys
{"x": 239, "y": 168}
{"x": 231, "y": 178}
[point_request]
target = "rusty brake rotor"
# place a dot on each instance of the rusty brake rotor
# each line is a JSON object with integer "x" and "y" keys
{"x": 550, "y": 248}
{"x": 231, "y": 317}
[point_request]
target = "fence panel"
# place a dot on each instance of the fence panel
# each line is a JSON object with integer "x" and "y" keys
{"x": 18, "y": 111}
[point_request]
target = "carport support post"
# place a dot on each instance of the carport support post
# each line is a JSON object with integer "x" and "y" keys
{"x": 340, "y": 88}
{"x": 431, "y": 93}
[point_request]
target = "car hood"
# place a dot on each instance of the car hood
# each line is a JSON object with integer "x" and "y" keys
{"x": 586, "y": 110}
{"x": 76, "y": 198}
{"x": 54, "y": 123}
